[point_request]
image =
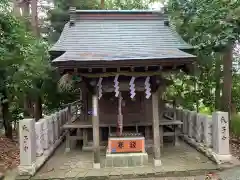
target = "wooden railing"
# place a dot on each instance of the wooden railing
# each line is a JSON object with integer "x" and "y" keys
{"x": 75, "y": 109}
{"x": 169, "y": 111}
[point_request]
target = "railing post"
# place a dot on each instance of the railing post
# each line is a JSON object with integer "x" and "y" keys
{"x": 39, "y": 137}
{"x": 69, "y": 113}
{"x": 45, "y": 134}
{"x": 190, "y": 124}
{"x": 199, "y": 128}
{"x": 221, "y": 136}
{"x": 27, "y": 137}
{"x": 207, "y": 130}
{"x": 56, "y": 132}
{"x": 185, "y": 121}
{"x": 50, "y": 131}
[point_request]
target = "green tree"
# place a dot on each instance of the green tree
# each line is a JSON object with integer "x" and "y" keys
{"x": 212, "y": 27}
{"x": 12, "y": 47}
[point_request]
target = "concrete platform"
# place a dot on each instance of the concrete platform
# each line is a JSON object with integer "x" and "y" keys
{"x": 180, "y": 160}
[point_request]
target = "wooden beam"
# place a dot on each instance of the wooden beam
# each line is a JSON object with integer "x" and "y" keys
{"x": 122, "y": 73}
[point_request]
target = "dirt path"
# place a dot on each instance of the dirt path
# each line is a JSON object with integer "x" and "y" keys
{"x": 9, "y": 153}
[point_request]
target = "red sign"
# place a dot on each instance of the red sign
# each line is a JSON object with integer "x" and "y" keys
{"x": 126, "y": 145}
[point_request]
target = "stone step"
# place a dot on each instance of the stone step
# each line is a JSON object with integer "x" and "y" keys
{"x": 126, "y": 159}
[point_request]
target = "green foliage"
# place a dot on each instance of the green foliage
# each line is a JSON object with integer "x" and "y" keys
{"x": 4, "y": 6}
{"x": 236, "y": 91}
{"x": 128, "y": 4}
{"x": 12, "y": 47}
{"x": 205, "y": 110}
{"x": 211, "y": 27}
{"x": 34, "y": 70}
{"x": 24, "y": 64}
{"x": 235, "y": 124}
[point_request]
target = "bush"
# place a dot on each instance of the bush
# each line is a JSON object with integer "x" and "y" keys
{"x": 205, "y": 110}
{"x": 235, "y": 124}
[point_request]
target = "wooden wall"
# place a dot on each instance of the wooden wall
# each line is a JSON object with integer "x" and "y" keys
{"x": 137, "y": 110}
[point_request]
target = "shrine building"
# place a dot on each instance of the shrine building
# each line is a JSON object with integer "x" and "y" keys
{"x": 121, "y": 58}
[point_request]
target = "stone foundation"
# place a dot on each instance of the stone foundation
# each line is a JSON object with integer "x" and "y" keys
{"x": 126, "y": 159}
{"x": 89, "y": 146}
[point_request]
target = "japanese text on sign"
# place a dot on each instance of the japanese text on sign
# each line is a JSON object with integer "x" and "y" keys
{"x": 223, "y": 128}
{"x": 132, "y": 144}
{"x": 120, "y": 144}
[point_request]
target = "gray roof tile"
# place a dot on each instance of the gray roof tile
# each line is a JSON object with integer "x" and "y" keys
{"x": 114, "y": 56}
{"x": 105, "y": 38}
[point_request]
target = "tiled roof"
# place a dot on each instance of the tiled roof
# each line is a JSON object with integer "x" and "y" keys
{"x": 118, "y": 39}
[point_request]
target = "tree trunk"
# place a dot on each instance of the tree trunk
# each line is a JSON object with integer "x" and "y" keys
{"x": 102, "y": 4}
{"x": 6, "y": 117}
{"x": 34, "y": 17}
{"x": 35, "y": 28}
{"x": 227, "y": 80}
{"x": 38, "y": 108}
{"x": 16, "y": 8}
{"x": 217, "y": 85}
{"x": 27, "y": 107}
{"x": 26, "y": 9}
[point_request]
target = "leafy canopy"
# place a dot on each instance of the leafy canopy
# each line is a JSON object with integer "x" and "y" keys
{"x": 207, "y": 24}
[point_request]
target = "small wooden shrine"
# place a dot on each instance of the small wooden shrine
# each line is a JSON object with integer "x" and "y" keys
{"x": 121, "y": 58}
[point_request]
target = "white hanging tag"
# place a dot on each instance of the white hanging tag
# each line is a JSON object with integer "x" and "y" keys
{"x": 147, "y": 87}
{"x": 99, "y": 84}
{"x": 132, "y": 87}
{"x": 116, "y": 85}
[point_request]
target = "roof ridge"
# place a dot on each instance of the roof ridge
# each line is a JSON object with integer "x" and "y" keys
{"x": 118, "y": 11}
{"x": 74, "y": 13}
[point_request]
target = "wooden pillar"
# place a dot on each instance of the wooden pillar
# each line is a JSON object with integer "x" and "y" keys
{"x": 147, "y": 132}
{"x": 95, "y": 124}
{"x": 176, "y": 134}
{"x": 67, "y": 148}
{"x": 156, "y": 132}
{"x": 84, "y": 98}
{"x": 174, "y": 110}
{"x": 85, "y": 137}
{"x": 160, "y": 107}
{"x": 120, "y": 115}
